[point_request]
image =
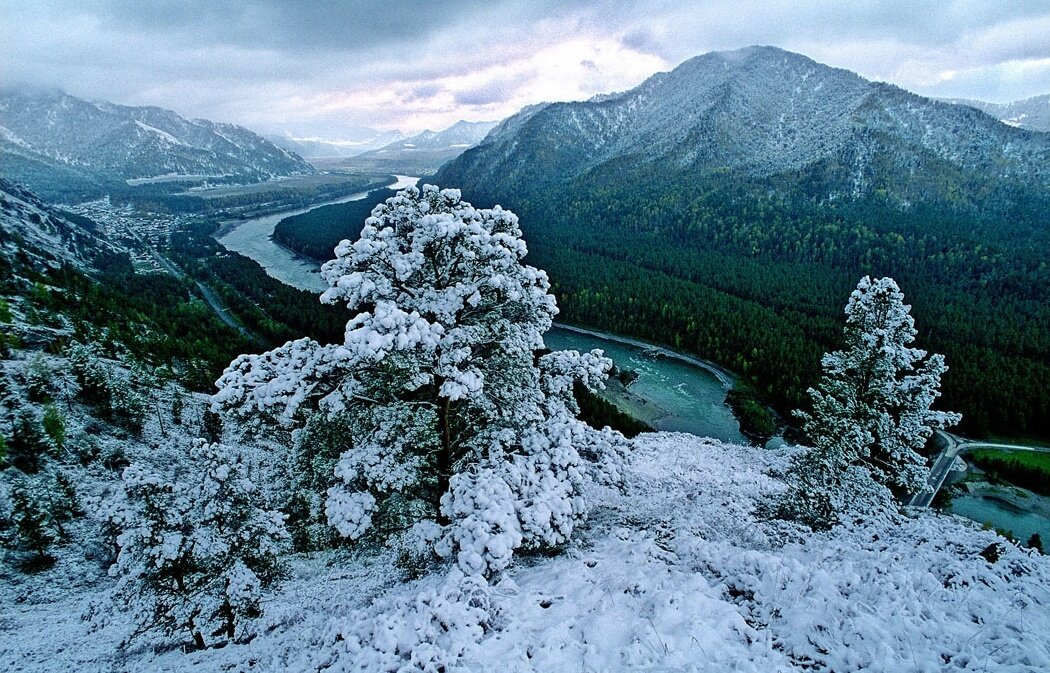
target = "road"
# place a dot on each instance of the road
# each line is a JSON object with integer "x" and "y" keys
{"x": 955, "y": 445}
{"x": 207, "y": 294}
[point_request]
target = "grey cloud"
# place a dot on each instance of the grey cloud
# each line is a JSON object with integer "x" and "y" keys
{"x": 493, "y": 92}
{"x": 424, "y": 92}
{"x": 250, "y": 61}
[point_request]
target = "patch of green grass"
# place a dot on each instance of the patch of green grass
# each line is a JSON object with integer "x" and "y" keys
{"x": 1027, "y": 469}
{"x": 1032, "y": 459}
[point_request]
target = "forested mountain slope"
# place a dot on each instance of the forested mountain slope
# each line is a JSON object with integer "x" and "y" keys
{"x": 725, "y": 206}
{"x": 1031, "y": 113}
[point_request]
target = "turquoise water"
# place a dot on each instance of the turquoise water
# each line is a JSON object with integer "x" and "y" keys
{"x": 252, "y": 239}
{"x": 1003, "y": 516}
{"x": 693, "y": 397}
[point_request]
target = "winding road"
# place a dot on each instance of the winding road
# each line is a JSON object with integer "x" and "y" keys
{"x": 953, "y": 446}
{"x": 207, "y": 294}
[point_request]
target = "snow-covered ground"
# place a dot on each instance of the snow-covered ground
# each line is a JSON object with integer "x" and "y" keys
{"x": 675, "y": 574}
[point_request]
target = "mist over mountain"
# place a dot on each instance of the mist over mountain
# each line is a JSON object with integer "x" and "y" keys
{"x": 203, "y": 468}
{"x": 763, "y": 114}
{"x": 1031, "y": 113}
{"x": 63, "y": 147}
{"x": 423, "y": 153}
{"x": 312, "y": 148}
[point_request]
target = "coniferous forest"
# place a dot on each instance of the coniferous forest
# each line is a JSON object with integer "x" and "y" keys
{"x": 755, "y": 282}
{"x": 683, "y": 360}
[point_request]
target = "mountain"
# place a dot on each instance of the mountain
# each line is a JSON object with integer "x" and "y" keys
{"x": 33, "y": 233}
{"x": 1031, "y": 113}
{"x": 726, "y": 207}
{"x": 759, "y": 113}
{"x": 461, "y": 135}
{"x": 63, "y": 147}
{"x": 312, "y": 148}
{"x": 424, "y": 153}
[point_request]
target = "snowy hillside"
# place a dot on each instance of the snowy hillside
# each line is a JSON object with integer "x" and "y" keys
{"x": 319, "y": 148}
{"x": 757, "y": 112}
{"x": 462, "y": 134}
{"x": 31, "y": 230}
{"x": 293, "y": 522}
{"x": 1031, "y": 113}
{"x": 425, "y": 152}
{"x": 677, "y": 573}
{"x": 47, "y": 136}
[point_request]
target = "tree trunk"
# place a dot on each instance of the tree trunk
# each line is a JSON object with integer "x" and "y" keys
{"x": 444, "y": 457}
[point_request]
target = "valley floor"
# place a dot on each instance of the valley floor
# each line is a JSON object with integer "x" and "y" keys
{"x": 675, "y": 574}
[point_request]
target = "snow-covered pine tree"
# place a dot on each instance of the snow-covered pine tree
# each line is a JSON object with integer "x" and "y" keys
{"x": 29, "y": 445}
{"x": 871, "y": 412}
{"x": 194, "y": 555}
{"x": 455, "y": 425}
{"x": 32, "y": 517}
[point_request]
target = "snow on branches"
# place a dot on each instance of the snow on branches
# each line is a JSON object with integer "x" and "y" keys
{"x": 195, "y": 554}
{"x": 453, "y": 418}
{"x": 871, "y": 412}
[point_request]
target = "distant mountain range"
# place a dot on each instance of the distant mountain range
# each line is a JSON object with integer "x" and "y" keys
{"x": 65, "y": 148}
{"x": 423, "y": 153}
{"x": 311, "y": 148}
{"x": 1031, "y": 113}
{"x": 761, "y": 113}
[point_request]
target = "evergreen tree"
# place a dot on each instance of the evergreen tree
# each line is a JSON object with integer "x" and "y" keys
{"x": 39, "y": 378}
{"x": 54, "y": 425}
{"x": 455, "y": 423}
{"x": 871, "y": 412}
{"x": 29, "y": 444}
{"x": 195, "y": 555}
{"x": 91, "y": 375}
{"x": 32, "y": 517}
{"x": 315, "y": 450}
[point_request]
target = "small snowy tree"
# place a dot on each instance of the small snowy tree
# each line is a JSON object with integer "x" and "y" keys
{"x": 40, "y": 379}
{"x": 195, "y": 555}
{"x": 454, "y": 424}
{"x": 32, "y": 516}
{"x": 871, "y": 411}
{"x": 29, "y": 445}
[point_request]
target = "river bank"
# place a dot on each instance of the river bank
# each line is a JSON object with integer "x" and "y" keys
{"x": 726, "y": 377}
{"x": 1010, "y": 509}
{"x": 673, "y": 394}
{"x": 253, "y": 238}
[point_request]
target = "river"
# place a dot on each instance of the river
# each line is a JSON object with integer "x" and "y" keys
{"x": 673, "y": 392}
{"x": 252, "y": 238}
{"x": 1009, "y": 509}
{"x": 669, "y": 394}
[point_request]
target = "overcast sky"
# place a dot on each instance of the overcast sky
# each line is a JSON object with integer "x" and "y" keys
{"x": 318, "y": 68}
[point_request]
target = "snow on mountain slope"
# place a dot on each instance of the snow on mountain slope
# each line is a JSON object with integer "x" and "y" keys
{"x": 103, "y": 142}
{"x": 34, "y": 232}
{"x": 1031, "y": 113}
{"x": 425, "y": 152}
{"x": 758, "y": 112}
{"x": 677, "y": 573}
{"x": 462, "y": 134}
